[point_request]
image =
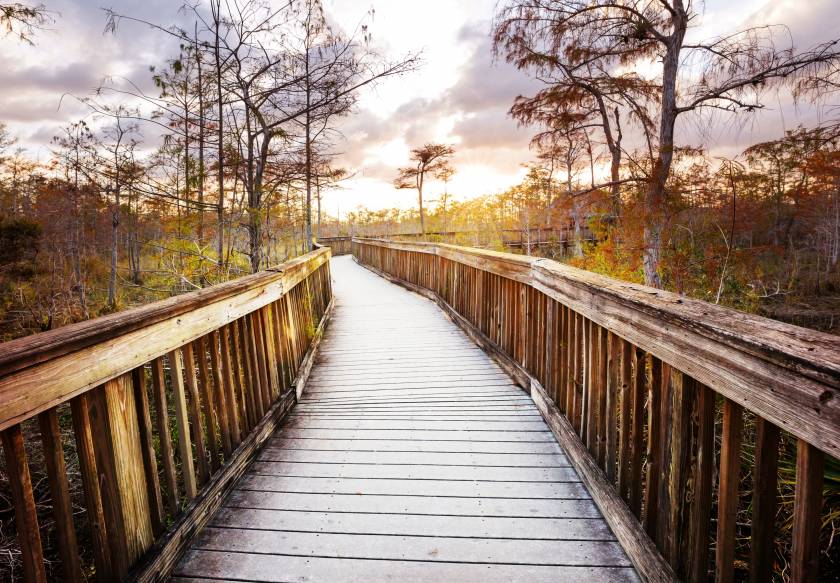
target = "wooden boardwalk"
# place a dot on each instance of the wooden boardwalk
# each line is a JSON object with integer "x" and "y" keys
{"x": 411, "y": 457}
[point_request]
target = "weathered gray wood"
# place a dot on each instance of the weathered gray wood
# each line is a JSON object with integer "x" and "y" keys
{"x": 787, "y": 374}
{"x": 416, "y": 472}
{"x": 418, "y": 505}
{"x": 422, "y": 435}
{"x": 463, "y": 488}
{"x": 44, "y": 370}
{"x": 406, "y": 463}
{"x": 416, "y": 446}
{"x": 417, "y": 458}
{"x": 488, "y": 551}
{"x": 255, "y": 567}
{"x": 415, "y": 525}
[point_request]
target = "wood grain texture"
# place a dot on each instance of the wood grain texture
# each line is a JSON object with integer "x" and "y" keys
{"x": 810, "y": 465}
{"x": 787, "y": 374}
{"x": 83, "y": 432}
{"x": 26, "y": 517}
{"x": 60, "y": 494}
{"x": 164, "y": 434}
{"x": 373, "y": 470}
{"x": 44, "y": 370}
{"x": 147, "y": 450}
{"x": 120, "y": 471}
{"x": 179, "y": 395}
{"x": 730, "y": 470}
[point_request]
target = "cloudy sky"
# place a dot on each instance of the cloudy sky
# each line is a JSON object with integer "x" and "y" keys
{"x": 460, "y": 96}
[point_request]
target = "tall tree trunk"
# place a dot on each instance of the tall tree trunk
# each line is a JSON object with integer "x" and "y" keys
{"x": 308, "y": 209}
{"x": 200, "y": 146}
{"x": 115, "y": 228}
{"x": 318, "y": 198}
{"x": 220, "y": 209}
{"x": 420, "y": 203}
{"x": 655, "y": 195}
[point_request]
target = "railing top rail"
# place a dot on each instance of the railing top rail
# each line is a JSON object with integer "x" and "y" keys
{"x": 784, "y": 373}
{"x": 43, "y": 370}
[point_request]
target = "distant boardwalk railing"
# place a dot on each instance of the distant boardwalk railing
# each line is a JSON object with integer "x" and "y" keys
{"x": 338, "y": 245}
{"x": 222, "y": 364}
{"x": 632, "y": 381}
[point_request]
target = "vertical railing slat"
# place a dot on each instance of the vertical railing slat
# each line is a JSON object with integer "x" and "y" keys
{"x": 147, "y": 449}
{"x": 200, "y": 347}
{"x": 765, "y": 495}
{"x": 26, "y": 516}
{"x": 730, "y": 469}
{"x": 194, "y": 405}
{"x": 60, "y": 492}
{"x": 90, "y": 481}
{"x": 164, "y": 436}
{"x": 807, "y": 506}
{"x": 697, "y": 570}
{"x": 176, "y": 375}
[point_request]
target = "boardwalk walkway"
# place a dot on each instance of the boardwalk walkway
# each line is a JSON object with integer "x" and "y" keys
{"x": 412, "y": 457}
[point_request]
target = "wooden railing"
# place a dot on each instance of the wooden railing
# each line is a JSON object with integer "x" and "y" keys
{"x": 222, "y": 364}
{"x": 681, "y": 417}
{"x": 338, "y": 245}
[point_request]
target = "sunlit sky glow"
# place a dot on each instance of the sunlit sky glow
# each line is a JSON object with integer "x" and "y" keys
{"x": 460, "y": 96}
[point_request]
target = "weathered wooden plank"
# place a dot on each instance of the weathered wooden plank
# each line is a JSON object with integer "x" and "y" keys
{"x": 464, "y": 488}
{"x": 414, "y": 525}
{"x": 26, "y": 516}
{"x": 765, "y": 493}
{"x": 90, "y": 481}
{"x": 730, "y": 469}
{"x": 147, "y": 450}
{"x": 60, "y": 494}
{"x": 407, "y": 446}
{"x": 422, "y": 435}
{"x": 120, "y": 470}
{"x": 807, "y": 507}
{"x": 218, "y": 393}
{"x": 176, "y": 374}
{"x": 654, "y": 448}
{"x": 282, "y": 568}
{"x": 414, "y": 471}
{"x": 500, "y": 460}
{"x": 196, "y": 425}
{"x": 207, "y": 402}
{"x": 697, "y": 550}
{"x": 164, "y": 436}
{"x": 416, "y": 505}
{"x": 625, "y": 398}
{"x": 486, "y": 551}
{"x": 229, "y": 388}
{"x": 307, "y": 423}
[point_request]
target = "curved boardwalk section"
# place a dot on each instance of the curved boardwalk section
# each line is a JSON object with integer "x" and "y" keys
{"x": 411, "y": 457}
